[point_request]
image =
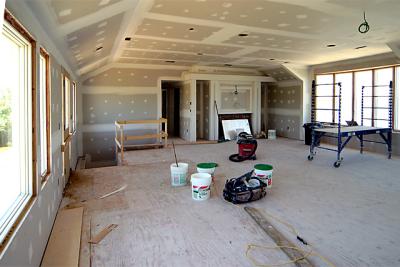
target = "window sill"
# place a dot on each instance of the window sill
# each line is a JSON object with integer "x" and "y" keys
{"x": 26, "y": 205}
{"x": 44, "y": 180}
{"x": 66, "y": 141}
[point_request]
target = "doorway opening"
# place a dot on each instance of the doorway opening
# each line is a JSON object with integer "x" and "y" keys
{"x": 170, "y": 107}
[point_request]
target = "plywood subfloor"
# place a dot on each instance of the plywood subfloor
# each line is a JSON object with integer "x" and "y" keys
{"x": 351, "y": 215}
{"x": 64, "y": 244}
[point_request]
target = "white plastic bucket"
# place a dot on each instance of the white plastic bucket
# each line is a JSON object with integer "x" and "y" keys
{"x": 201, "y": 186}
{"x": 206, "y": 168}
{"x": 264, "y": 172}
{"x": 179, "y": 174}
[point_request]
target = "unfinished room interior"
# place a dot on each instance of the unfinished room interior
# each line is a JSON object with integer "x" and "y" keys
{"x": 200, "y": 133}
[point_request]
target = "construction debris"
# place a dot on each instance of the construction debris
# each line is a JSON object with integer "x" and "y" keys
{"x": 103, "y": 233}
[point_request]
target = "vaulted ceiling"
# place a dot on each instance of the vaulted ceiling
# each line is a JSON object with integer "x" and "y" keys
{"x": 260, "y": 34}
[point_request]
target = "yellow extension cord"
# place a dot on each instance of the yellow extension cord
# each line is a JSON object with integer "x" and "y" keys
{"x": 293, "y": 230}
{"x": 302, "y": 251}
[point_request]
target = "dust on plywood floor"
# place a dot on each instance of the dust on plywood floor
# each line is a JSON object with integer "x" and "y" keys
{"x": 350, "y": 214}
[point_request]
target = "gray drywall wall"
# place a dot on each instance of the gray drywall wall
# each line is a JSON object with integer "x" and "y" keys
{"x": 231, "y": 101}
{"x": 264, "y": 107}
{"x": 107, "y": 108}
{"x": 284, "y": 108}
{"x": 29, "y": 240}
{"x": 185, "y": 110}
{"x": 287, "y": 97}
{"x": 206, "y": 110}
{"x": 203, "y": 109}
{"x": 100, "y": 111}
{"x": 285, "y": 125}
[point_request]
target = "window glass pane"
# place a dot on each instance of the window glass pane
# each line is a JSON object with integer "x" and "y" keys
{"x": 382, "y": 77}
{"x": 346, "y": 79}
{"x": 43, "y": 117}
{"x": 73, "y": 107}
{"x": 363, "y": 78}
{"x": 66, "y": 102}
{"x": 10, "y": 184}
{"x": 397, "y": 101}
{"x": 14, "y": 114}
{"x": 324, "y": 102}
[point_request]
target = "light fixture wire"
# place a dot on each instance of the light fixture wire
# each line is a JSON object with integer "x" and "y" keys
{"x": 364, "y": 27}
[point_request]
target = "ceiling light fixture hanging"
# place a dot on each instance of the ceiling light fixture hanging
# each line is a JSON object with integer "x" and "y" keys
{"x": 236, "y": 90}
{"x": 364, "y": 27}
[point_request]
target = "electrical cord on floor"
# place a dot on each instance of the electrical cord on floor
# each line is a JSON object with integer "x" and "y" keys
{"x": 293, "y": 230}
{"x": 305, "y": 253}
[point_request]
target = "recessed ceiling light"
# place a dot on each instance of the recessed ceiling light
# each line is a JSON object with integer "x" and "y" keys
{"x": 330, "y": 45}
{"x": 243, "y": 34}
{"x": 128, "y": 38}
{"x": 360, "y": 47}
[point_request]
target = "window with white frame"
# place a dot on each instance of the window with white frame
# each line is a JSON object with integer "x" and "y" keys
{"x": 397, "y": 101}
{"x": 67, "y": 99}
{"x": 325, "y": 98}
{"x": 381, "y": 102}
{"x": 363, "y": 78}
{"x": 374, "y": 84}
{"x": 73, "y": 107}
{"x": 346, "y": 80}
{"x": 44, "y": 114}
{"x": 16, "y": 149}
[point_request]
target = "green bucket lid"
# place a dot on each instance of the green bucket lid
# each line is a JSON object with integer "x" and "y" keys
{"x": 207, "y": 165}
{"x": 263, "y": 167}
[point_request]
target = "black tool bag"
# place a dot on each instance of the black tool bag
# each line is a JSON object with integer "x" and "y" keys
{"x": 244, "y": 189}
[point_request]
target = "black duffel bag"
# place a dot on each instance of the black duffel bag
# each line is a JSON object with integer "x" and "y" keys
{"x": 243, "y": 189}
